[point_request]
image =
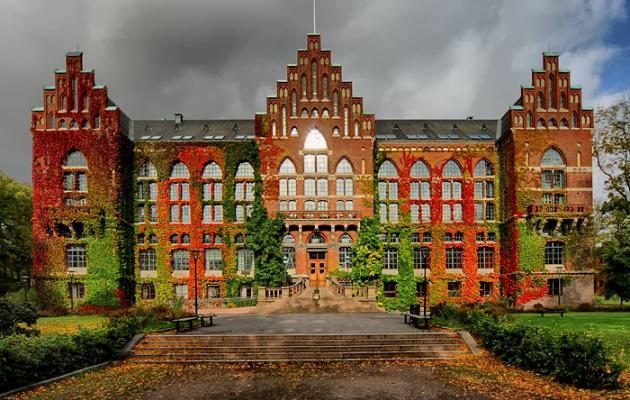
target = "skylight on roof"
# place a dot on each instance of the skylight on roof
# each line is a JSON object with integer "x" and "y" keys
{"x": 176, "y": 137}
{"x": 187, "y": 137}
{"x": 219, "y": 137}
{"x": 156, "y": 137}
{"x": 208, "y": 137}
{"x": 145, "y": 137}
{"x": 417, "y": 136}
{"x": 239, "y": 137}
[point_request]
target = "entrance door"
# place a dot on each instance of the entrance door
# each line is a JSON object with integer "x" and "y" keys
{"x": 317, "y": 268}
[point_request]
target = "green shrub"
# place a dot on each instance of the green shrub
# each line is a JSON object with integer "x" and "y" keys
{"x": 578, "y": 359}
{"x": 12, "y": 315}
{"x": 25, "y": 359}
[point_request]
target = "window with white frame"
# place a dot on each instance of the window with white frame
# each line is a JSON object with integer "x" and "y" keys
{"x": 180, "y": 260}
{"x": 76, "y": 256}
{"x": 452, "y": 209}
{"x": 75, "y": 184}
{"x": 179, "y": 194}
{"x": 245, "y": 260}
{"x": 390, "y": 258}
{"x": 388, "y": 192}
{"x": 553, "y": 177}
{"x": 243, "y": 191}
{"x": 554, "y": 253}
{"x": 212, "y": 194}
{"x": 484, "y": 191}
{"x": 420, "y": 192}
{"x": 213, "y": 259}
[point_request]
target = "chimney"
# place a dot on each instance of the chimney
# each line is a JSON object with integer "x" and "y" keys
{"x": 179, "y": 118}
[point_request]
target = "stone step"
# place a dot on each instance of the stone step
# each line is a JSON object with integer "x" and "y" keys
{"x": 335, "y": 342}
{"x": 289, "y": 349}
{"x": 302, "y": 337}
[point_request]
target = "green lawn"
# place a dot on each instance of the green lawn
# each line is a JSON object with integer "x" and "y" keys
{"x": 613, "y": 327}
{"x": 69, "y": 323}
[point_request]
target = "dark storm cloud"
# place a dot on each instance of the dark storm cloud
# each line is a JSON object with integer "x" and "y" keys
{"x": 217, "y": 59}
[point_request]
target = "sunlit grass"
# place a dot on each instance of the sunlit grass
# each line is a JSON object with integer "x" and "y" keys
{"x": 69, "y": 323}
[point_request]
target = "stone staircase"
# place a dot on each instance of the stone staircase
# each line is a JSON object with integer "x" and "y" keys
{"x": 297, "y": 348}
{"x": 329, "y": 302}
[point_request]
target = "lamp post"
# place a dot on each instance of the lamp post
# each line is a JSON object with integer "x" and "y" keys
{"x": 426, "y": 290}
{"x": 26, "y": 281}
{"x": 195, "y": 256}
{"x": 559, "y": 286}
{"x": 71, "y": 273}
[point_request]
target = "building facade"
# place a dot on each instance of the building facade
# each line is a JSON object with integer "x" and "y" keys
{"x": 125, "y": 209}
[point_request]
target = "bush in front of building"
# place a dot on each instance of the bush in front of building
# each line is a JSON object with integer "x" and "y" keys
{"x": 29, "y": 359}
{"x": 579, "y": 359}
{"x": 14, "y": 316}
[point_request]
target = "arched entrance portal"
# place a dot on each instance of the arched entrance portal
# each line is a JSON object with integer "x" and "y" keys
{"x": 316, "y": 260}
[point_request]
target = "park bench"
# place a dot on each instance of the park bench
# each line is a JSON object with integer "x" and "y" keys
{"x": 415, "y": 315}
{"x": 185, "y": 320}
{"x": 206, "y": 317}
{"x": 543, "y": 312}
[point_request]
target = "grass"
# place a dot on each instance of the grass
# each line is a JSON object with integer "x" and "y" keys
{"x": 69, "y": 323}
{"x": 613, "y": 327}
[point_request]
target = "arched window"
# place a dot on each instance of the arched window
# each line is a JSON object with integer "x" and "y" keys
{"x": 553, "y": 123}
{"x": 314, "y": 113}
{"x": 314, "y": 79}
{"x": 541, "y": 123}
{"x": 484, "y": 191}
{"x": 564, "y": 123}
{"x": 552, "y": 157}
{"x": 346, "y": 121}
{"x": 553, "y": 182}
{"x": 294, "y": 132}
{"x": 304, "y": 86}
{"x": 551, "y": 90}
{"x": 315, "y": 141}
{"x": 293, "y": 103}
{"x": 325, "y": 113}
{"x": 388, "y": 192}
{"x": 356, "y": 128}
{"x": 316, "y": 238}
{"x": 288, "y": 251}
{"x": 325, "y": 87}
{"x": 335, "y": 103}
{"x": 574, "y": 120}
{"x": 344, "y": 167}
{"x": 146, "y": 193}
{"x": 97, "y": 122}
{"x": 287, "y": 167}
{"x": 179, "y": 194}
{"x": 284, "y": 121}
{"x": 541, "y": 101}
{"x": 420, "y": 192}
{"x": 452, "y": 209}
{"x": 62, "y": 102}
{"x": 51, "y": 121}
{"x": 530, "y": 122}
{"x": 563, "y": 100}
{"x": 243, "y": 191}
{"x": 75, "y": 183}
{"x": 212, "y": 194}
{"x": 452, "y": 170}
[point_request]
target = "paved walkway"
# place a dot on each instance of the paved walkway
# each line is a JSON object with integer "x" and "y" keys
{"x": 307, "y": 323}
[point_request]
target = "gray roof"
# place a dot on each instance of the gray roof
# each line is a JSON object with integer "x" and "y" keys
{"x": 437, "y": 130}
{"x": 194, "y": 130}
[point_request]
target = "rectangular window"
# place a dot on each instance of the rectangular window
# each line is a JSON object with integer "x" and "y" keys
{"x": 148, "y": 291}
{"x": 309, "y": 164}
{"x": 349, "y": 187}
{"x": 322, "y": 164}
{"x": 446, "y": 213}
{"x": 309, "y": 187}
{"x": 382, "y": 190}
{"x": 245, "y": 291}
{"x": 245, "y": 260}
{"x": 213, "y": 292}
{"x": 213, "y": 259}
{"x": 415, "y": 213}
{"x": 283, "y": 187}
{"x": 390, "y": 259}
{"x": 153, "y": 215}
{"x": 490, "y": 212}
{"x": 392, "y": 188}
{"x": 554, "y": 287}
{"x": 393, "y": 213}
{"x": 454, "y": 289}
{"x": 489, "y": 190}
{"x": 322, "y": 205}
{"x": 478, "y": 190}
{"x": 249, "y": 191}
{"x": 218, "y": 213}
{"x": 282, "y": 206}
{"x": 288, "y": 257}
{"x": 239, "y": 191}
{"x": 389, "y": 289}
{"x": 340, "y": 186}
{"x": 82, "y": 181}
{"x": 414, "y": 190}
{"x": 547, "y": 179}
{"x": 240, "y": 213}
{"x": 173, "y": 191}
{"x": 485, "y": 289}
{"x": 446, "y": 191}
{"x": 76, "y": 256}
{"x": 457, "y": 212}
{"x": 322, "y": 187}
{"x": 485, "y": 258}
{"x": 68, "y": 182}
{"x": 153, "y": 191}
{"x": 421, "y": 289}
{"x": 218, "y": 191}
{"x": 421, "y": 257}
{"x": 180, "y": 260}
{"x": 554, "y": 253}
{"x": 206, "y": 190}
{"x": 185, "y": 214}
{"x": 345, "y": 258}
{"x": 558, "y": 198}
{"x": 77, "y": 290}
{"x": 454, "y": 258}
{"x": 547, "y": 198}
{"x": 181, "y": 291}
{"x": 185, "y": 192}
{"x": 140, "y": 214}
{"x": 140, "y": 191}
{"x": 207, "y": 214}
{"x": 383, "y": 212}
{"x": 426, "y": 212}
{"x": 479, "y": 211}
{"x": 558, "y": 179}
{"x": 457, "y": 190}
{"x": 425, "y": 191}
{"x": 292, "y": 187}
{"x": 148, "y": 260}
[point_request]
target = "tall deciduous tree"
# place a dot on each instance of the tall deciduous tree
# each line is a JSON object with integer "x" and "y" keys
{"x": 367, "y": 259}
{"x": 16, "y": 239}
{"x": 611, "y": 147}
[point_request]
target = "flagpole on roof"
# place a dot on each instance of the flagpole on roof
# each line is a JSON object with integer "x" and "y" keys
{"x": 314, "y": 18}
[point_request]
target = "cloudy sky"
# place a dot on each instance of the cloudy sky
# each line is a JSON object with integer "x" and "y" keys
{"x": 221, "y": 58}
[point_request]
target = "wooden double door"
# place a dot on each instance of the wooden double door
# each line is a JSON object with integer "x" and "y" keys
{"x": 317, "y": 270}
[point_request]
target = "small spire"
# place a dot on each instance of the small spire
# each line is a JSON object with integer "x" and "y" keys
{"x": 314, "y": 18}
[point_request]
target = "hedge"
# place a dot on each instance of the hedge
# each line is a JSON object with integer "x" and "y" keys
{"x": 25, "y": 360}
{"x": 580, "y": 359}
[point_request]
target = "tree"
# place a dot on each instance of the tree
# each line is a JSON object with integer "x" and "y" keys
{"x": 367, "y": 258}
{"x": 12, "y": 315}
{"x": 265, "y": 239}
{"x": 16, "y": 238}
{"x": 616, "y": 271}
{"x": 611, "y": 147}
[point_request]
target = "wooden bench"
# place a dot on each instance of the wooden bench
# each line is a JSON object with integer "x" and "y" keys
{"x": 543, "y": 312}
{"x": 179, "y": 321}
{"x": 416, "y": 318}
{"x": 206, "y": 317}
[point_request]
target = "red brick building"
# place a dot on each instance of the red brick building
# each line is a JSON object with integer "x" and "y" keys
{"x": 127, "y": 208}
